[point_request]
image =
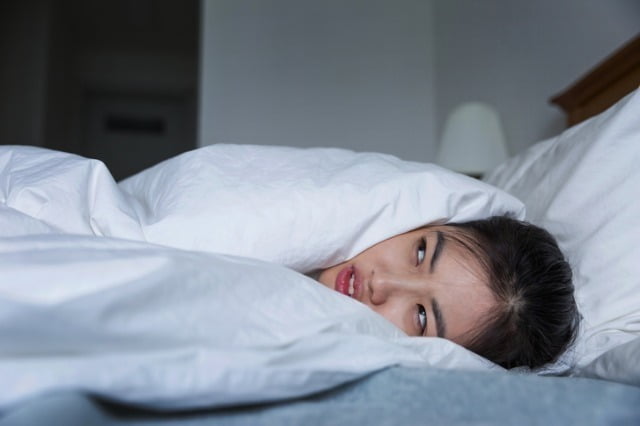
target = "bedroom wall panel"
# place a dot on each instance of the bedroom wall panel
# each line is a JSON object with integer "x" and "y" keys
{"x": 355, "y": 74}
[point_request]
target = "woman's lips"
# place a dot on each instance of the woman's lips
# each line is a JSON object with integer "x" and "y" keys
{"x": 347, "y": 282}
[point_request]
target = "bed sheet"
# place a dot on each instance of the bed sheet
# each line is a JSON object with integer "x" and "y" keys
{"x": 394, "y": 396}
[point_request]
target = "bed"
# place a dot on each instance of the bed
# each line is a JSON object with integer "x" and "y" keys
{"x": 88, "y": 264}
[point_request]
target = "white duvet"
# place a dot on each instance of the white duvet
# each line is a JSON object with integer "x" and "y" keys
{"x": 181, "y": 287}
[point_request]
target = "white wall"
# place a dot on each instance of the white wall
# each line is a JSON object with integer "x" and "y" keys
{"x": 516, "y": 54}
{"x": 355, "y": 74}
{"x": 383, "y": 75}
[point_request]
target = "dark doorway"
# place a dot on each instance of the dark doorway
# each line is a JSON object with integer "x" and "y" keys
{"x": 115, "y": 80}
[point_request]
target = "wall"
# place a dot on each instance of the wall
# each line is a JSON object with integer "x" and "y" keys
{"x": 369, "y": 75}
{"x": 383, "y": 75}
{"x": 355, "y": 74}
{"x": 516, "y": 54}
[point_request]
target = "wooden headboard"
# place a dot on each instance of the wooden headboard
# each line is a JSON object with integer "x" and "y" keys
{"x": 604, "y": 85}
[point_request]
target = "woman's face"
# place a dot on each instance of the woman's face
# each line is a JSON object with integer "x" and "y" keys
{"x": 424, "y": 283}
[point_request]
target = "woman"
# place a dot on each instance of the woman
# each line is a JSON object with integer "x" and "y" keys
{"x": 499, "y": 287}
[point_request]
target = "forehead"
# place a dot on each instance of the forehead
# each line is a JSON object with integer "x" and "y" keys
{"x": 458, "y": 254}
{"x": 460, "y": 251}
{"x": 465, "y": 294}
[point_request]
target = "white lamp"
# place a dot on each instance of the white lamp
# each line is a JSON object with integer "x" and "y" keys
{"x": 472, "y": 142}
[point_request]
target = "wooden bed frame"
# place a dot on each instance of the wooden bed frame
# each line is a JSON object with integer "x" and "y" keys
{"x": 603, "y": 85}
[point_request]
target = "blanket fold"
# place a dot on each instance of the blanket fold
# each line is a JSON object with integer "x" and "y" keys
{"x": 174, "y": 289}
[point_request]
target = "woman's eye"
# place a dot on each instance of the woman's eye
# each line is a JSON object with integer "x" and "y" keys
{"x": 422, "y": 319}
{"x": 422, "y": 248}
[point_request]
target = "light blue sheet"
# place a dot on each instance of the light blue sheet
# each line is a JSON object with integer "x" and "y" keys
{"x": 396, "y": 396}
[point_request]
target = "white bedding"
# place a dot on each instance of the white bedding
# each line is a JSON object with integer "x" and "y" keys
{"x": 583, "y": 186}
{"x": 128, "y": 291}
{"x": 131, "y": 291}
{"x": 175, "y": 329}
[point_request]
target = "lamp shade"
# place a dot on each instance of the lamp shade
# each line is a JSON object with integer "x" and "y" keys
{"x": 473, "y": 140}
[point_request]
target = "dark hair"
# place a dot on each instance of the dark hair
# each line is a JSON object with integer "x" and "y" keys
{"x": 537, "y": 317}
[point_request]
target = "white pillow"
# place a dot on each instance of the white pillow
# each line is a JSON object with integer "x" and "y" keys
{"x": 621, "y": 364}
{"x": 304, "y": 208}
{"x": 583, "y": 186}
{"x": 46, "y": 191}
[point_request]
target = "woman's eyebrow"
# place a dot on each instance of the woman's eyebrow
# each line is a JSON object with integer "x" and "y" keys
{"x": 437, "y": 250}
{"x": 441, "y": 328}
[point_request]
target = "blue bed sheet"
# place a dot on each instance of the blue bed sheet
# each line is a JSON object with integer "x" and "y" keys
{"x": 396, "y": 396}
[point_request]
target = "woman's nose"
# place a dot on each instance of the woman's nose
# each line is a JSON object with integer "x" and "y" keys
{"x": 384, "y": 285}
